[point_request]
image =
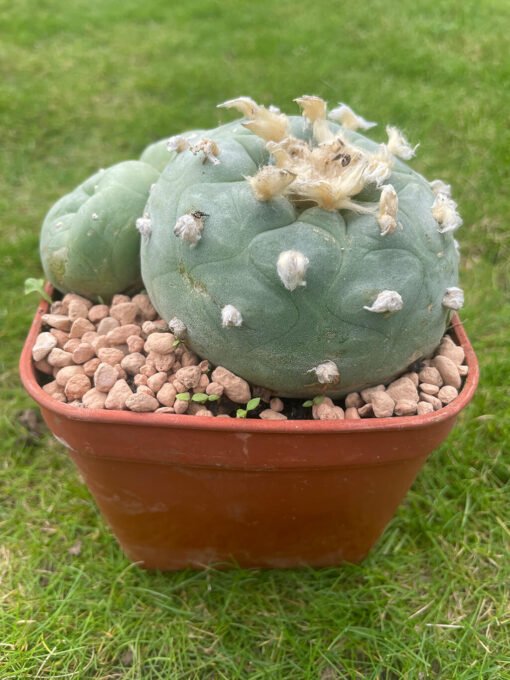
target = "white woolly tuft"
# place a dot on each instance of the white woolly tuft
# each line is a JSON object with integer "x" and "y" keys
{"x": 209, "y": 148}
{"x": 453, "y": 298}
{"x": 144, "y": 226}
{"x": 386, "y": 301}
{"x": 398, "y": 144}
{"x": 456, "y": 245}
{"x": 291, "y": 268}
{"x": 327, "y": 373}
{"x": 189, "y": 228}
{"x": 230, "y": 316}
{"x": 177, "y": 327}
{"x": 348, "y": 119}
{"x": 444, "y": 211}
{"x": 177, "y": 143}
{"x": 388, "y": 207}
{"x": 440, "y": 187}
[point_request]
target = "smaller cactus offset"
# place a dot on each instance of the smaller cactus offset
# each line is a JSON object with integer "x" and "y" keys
{"x": 298, "y": 253}
{"x": 88, "y": 241}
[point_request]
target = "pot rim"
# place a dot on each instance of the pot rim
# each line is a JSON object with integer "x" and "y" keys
{"x": 185, "y": 422}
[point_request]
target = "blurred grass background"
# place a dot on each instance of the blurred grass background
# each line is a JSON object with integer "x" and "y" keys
{"x": 85, "y": 84}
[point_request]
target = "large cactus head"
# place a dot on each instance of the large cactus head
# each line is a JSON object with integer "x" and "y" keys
{"x": 298, "y": 253}
{"x": 88, "y": 241}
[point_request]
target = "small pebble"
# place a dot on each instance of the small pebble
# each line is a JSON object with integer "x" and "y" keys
{"x": 90, "y": 367}
{"x": 105, "y": 377}
{"x": 204, "y": 412}
{"x": 366, "y": 411}
{"x": 61, "y": 337}
{"x": 463, "y": 370}
{"x": 434, "y": 401}
{"x": 144, "y": 304}
{"x": 132, "y": 363}
{"x": 77, "y": 310}
{"x": 448, "y": 370}
{"x": 405, "y": 408}
{"x": 423, "y": 408}
{"x": 431, "y": 376}
{"x": 180, "y": 406}
{"x": 156, "y": 381}
{"x": 110, "y": 355}
{"x": 202, "y": 383}
{"x": 189, "y": 376}
{"x": 325, "y": 411}
{"x": 383, "y": 405}
{"x": 366, "y": 394}
{"x": 119, "y": 335}
{"x": 74, "y": 297}
{"x": 119, "y": 298}
{"x": 135, "y": 343}
{"x": 141, "y": 403}
{"x": 447, "y": 394}
{"x": 66, "y": 373}
{"x": 83, "y": 353}
{"x": 353, "y": 400}
{"x": 106, "y": 325}
{"x": 77, "y": 385}
{"x": 149, "y": 327}
{"x": 81, "y": 326}
{"x": 124, "y": 312}
{"x": 59, "y": 358}
{"x": 162, "y": 362}
{"x": 97, "y": 313}
{"x": 166, "y": 394}
{"x": 71, "y": 345}
{"x": 44, "y": 367}
{"x": 94, "y": 399}
{"x": 98, "y": 342}
{"x": 145, "y": 389}
{"x": 276, "y": 404}
{"x": 402, "y": 389}
{"x": 165, "y": 409}
{"x": 235, "y": 388}
{"x": 58, "y": 321}
{"x": 271, "y": 414}
{"x": 427, "y": 388}
{"x": 351, "y": 413}
{"x": 214, "y": 388}
{"x": 43, "y": 345}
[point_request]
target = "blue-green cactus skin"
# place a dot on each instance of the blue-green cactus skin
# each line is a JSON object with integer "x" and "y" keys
{"x": 89, "y": 244}
{"x": 285, "y": 334}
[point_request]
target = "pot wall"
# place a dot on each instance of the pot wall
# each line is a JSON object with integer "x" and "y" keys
{"x": 180, "y": 491}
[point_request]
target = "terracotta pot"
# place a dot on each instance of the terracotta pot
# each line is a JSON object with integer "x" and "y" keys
{"x": 181, "y": 491}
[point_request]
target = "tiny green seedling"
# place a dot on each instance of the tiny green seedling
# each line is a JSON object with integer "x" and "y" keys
{"x": 314, "y": 402}
{"x": 36, "y": 286}
{"x": 250, "y": 406}
{"x": 198, "y": 397}
{"x": 176, "y": 342}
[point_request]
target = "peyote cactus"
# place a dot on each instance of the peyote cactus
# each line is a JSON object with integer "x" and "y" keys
{"x": 88, "y": 242}
{"x": 299, "y": 254}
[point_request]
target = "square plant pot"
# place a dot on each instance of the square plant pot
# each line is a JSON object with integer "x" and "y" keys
{"x": 180, "y": 491}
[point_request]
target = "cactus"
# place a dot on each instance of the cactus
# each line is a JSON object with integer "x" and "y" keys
{"x": 298, "y": 253}
{"x": 88, "y": 242}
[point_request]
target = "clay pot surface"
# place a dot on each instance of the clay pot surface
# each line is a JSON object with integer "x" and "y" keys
{"x": 179, "y": 491}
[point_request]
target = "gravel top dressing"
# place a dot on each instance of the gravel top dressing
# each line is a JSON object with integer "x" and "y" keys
{"x": 124, "y": 357}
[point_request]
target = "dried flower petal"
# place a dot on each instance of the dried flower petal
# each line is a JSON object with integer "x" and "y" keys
{"x": 348, "y": 119}
{"x": 398, "y": 144}
{"x": 270, "y": 181}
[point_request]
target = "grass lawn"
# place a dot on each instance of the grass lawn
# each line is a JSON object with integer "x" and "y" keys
{"x": 87, "y": 83}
